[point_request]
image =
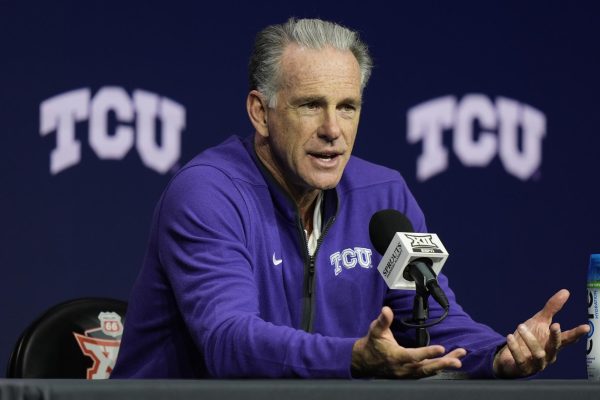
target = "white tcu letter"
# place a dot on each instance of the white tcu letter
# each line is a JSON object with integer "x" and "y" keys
{"x": 533, "y": 122}
{"x": 111, "y": 146}
{"x": 60, "y": 113}
{"x": 364, "y": 256}
{"x": 335, "y": 259}
{"x": 348, "y": 258}
{"x": 471, "y": 152}
{"x": 427, "y": 122}
{"x": 172, "y": 116}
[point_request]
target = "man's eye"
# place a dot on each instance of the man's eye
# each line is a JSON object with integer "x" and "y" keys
{"x": 347, "y": 107}
{"x": 311, "y": 106}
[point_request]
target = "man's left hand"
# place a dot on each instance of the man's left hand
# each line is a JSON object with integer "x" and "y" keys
{"x": 536, "y": 342}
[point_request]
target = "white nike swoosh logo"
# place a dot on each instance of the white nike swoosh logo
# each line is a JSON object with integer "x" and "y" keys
{"x": 276, "y": 261}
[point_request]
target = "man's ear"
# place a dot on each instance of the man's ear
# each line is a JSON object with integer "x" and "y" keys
{"x": 257, "y": 111}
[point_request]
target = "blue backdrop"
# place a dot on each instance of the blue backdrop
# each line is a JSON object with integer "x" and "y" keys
{"x": 489, "y": 110}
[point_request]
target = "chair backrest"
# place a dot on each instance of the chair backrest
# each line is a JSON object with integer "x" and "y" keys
{"x": 76, "y": 339}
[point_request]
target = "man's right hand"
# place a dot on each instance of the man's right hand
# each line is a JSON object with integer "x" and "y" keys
{"x": 379, "y": 355}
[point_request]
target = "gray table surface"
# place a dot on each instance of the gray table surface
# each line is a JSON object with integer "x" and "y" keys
{"x": 47, "y": 389}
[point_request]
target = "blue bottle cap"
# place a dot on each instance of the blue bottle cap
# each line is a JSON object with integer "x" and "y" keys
{"x": 594, "y": 270}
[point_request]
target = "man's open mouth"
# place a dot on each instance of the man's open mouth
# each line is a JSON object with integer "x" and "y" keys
{"x": 325, "y": 156}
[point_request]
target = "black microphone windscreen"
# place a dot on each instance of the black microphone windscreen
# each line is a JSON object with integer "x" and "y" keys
{"x": 383, "y": 226}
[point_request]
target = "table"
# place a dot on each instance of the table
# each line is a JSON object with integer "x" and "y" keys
{"x": 65, "y": 389}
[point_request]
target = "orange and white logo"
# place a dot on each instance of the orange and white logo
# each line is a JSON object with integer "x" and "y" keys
{"x": 101, "y": 344}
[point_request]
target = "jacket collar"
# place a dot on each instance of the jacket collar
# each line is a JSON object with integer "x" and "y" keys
{"x": 284, "y": 204}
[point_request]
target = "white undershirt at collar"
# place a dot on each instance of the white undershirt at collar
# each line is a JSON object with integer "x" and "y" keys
{"x": 316, "y": 232}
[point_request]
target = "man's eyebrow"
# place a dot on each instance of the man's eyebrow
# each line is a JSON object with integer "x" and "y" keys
{"x": 322, "y": 100}
{"x": 353, "y": 101}
{"x": 308, "y": 99}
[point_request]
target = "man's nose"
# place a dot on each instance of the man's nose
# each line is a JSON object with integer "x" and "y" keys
{"x": 330, "y": 128}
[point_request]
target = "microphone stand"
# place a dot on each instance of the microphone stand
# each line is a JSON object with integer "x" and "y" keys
{"x": 421, "y": 273}
{"x": 420, "y": 314}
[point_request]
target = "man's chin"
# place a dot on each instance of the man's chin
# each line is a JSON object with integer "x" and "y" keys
{"x": 325, "y": 184}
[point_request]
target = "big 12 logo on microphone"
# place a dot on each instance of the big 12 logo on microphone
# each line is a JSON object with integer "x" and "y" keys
{"x": 406, "y": 248}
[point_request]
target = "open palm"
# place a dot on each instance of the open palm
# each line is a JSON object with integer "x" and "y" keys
{"x": 536, "y": 342}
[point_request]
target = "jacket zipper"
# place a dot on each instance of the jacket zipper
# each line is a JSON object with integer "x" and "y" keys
{"x": 309, "y": 275}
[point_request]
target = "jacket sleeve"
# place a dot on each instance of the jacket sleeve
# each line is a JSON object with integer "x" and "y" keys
{"x": 458, "y": 329}
{"x": 203, "y": 248}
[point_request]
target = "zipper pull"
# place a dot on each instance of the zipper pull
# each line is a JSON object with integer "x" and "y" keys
{"x": 311, "y": 274}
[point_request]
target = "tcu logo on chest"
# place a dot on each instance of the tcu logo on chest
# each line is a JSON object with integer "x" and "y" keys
{"x": 350, "y": 258}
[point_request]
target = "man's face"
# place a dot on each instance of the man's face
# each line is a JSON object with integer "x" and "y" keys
{"x": 313, "y": 127}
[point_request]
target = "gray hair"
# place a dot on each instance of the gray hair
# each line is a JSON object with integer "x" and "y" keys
{"x": 265, "y": 61}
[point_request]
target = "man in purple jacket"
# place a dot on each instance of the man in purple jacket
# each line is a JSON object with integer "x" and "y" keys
{"x": 260, "y": 263}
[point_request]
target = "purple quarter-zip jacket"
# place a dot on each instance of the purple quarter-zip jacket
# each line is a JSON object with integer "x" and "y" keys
{"x": 228, "y": 289}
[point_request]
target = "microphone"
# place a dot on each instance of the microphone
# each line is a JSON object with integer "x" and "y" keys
{"x": 410, "y": 260}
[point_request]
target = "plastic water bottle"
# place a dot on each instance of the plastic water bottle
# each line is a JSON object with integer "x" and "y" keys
{"x": 593, "y": 338}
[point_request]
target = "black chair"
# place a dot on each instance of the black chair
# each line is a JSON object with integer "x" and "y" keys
{"x": 76, "y": 339}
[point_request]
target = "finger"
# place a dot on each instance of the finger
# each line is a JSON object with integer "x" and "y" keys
{"x": 424, "y": 353}
{"x": 538, "y": 354}
{"x": 457, "y": 353}
{"x": 522, "y": 345}
{"x": 515, "y": 350}
{"x": 555, "y": 304}
{"x": 534, "y": 346}
{"x": 554, "y": 342}
{"x": 572, "y": 335}
{"x": 430, "y": 367}
{"x": 382, "y": 323}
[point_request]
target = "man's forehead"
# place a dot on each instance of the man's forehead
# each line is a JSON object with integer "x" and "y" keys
{"x": 305, "y": 68}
